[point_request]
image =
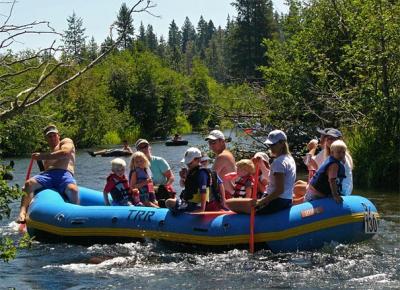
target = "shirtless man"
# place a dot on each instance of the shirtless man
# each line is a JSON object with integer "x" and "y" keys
{"x": 224, "y": 162}
{"x": 59, "y": 166}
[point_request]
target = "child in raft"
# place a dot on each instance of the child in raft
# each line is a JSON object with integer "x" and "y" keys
{"x": 195, "y": 196}
{"x": 328, "y": 179}
{"x": 245, "y": 181}
{"x": 140, "y": 180}
{"x": 263, "y": 175}
{"x": 117, "y": 185}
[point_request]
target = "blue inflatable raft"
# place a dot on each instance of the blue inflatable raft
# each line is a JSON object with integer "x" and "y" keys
{"x": 303, "y": 227}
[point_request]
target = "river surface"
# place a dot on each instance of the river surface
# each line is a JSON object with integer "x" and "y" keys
{"x": 371, "y": 264}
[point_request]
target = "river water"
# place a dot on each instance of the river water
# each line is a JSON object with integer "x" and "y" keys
{"x": 154, "y": 265}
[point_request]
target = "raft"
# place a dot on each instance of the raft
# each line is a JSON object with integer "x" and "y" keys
{"x": 176, "y": 143}
{"x": 306, "y": 226}
{"x": 115, "y": 153}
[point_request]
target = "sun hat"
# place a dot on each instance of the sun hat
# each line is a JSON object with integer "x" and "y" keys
{"x": 191, "y": 154}
{"x": 263, "y": 156}
{"x": 275, "y": 136}
{"x": 140, "y": 142}
{"x": 214, "y": 135}
{"x": 50, "y": 129}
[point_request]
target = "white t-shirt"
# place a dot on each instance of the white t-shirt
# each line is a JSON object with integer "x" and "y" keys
{"x": 319, "y": 158}
{"x": 283, "y": 164}
{"x": 347, "y": 183}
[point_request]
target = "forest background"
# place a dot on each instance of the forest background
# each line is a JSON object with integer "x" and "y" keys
{"x": 326, "y": 63}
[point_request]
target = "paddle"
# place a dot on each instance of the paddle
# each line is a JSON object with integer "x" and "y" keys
{"x": 22, "y": 227}
{"x": 253, "y": 211}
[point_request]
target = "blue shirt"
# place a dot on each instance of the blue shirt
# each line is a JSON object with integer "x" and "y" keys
{"x": 159, "y": 166}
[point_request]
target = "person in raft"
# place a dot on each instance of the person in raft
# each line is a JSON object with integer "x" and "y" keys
{"x": 328, "y": 179}
{"x": 163, "y": 177}
{"x": 59, "y": 166}
{"x": 117, "y": 185}
{"x": 245, "y": 179}
{"x": 224, "y": 162}
{"x": 125, "y": 148}
{"x": 281, "y": 180}
{"x": 140, "y": 180}
{"x": 197, "y": 186}
{"x": 264, "y": 167}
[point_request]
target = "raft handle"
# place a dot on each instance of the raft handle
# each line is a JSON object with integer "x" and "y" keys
{"x": 79, "y": 221}
{"x": 200, "y": 230}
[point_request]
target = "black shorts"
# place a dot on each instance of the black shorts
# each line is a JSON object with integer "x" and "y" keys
{"x": 275, "y": 206}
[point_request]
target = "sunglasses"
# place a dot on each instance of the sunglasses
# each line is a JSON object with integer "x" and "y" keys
{"x": 143, "y": 147}
{"x": 212, "y": 142}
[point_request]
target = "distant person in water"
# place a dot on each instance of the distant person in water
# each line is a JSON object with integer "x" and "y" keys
{"x": 59, "y": 166}
{"x": 224, "y": 162}
{"x": 163, "y": 177}
{"x": 128, "y": 150}
{"x": 177, "y": 137}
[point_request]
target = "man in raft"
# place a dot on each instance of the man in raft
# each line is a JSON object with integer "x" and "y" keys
{"x": 224, "y": 162}
{"x": 59, "y": 166}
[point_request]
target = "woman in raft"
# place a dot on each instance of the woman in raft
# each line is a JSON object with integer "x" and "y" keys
{"x": 281, "y": 180}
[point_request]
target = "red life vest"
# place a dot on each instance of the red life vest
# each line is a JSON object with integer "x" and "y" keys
{"x": 240, "y": 185}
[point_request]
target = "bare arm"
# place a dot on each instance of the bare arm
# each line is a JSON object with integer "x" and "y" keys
{"x": 105, "y": 196}
{"x": 170, "y": 177}
{"x": 333, "y": 170}
{"x": 67, "y": 147}
{"x": 279, "y": 187}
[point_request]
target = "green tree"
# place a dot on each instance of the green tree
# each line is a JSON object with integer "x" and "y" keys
{"x": 174, "y": 46}
{"x": 125, "y": 27}
{"x": 74, "y": 38}
{"x": 188, "y": 34}
{"x": 253, "y": 24}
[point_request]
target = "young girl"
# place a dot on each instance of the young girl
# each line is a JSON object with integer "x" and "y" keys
{"x": 244, "y": 183}
{"x": 140, "y": 179}
{"x": 328, "y": 180}
{"x": 117, "y": 185}
{"x": 264, "y": 167}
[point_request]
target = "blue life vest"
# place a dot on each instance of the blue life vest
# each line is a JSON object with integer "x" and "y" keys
{"x": 320, "y": 180}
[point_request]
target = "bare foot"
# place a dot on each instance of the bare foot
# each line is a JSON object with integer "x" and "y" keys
{"x": 21, "y": 219}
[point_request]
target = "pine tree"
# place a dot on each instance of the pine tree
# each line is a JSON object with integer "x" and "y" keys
{"x": 254, "y": 23}
{"x": 74, "y": 38}
{"x": 92, "y": 49}
{"x": 125, "y": 27}
{"x": 151, "y": 39}
{"x": 174, "y": 45}
{"x": 188, "y": 34}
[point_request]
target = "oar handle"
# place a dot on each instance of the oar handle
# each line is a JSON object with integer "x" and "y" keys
{"x": 253, "y": 213}
{"x": 28, "y": 172}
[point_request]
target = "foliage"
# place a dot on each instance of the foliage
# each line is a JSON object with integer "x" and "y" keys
{"x": 9, "y": 248}
{"x": 74, "y": 38}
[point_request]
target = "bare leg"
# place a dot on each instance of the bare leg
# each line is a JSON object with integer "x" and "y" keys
{"x": 170, "y": 203}
{"x": 72, "y": 192}
{"x": 30, "y": 186}
{"x": 240, "y": 205}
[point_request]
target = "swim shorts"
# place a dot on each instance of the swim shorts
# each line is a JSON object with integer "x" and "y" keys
{"x": 56, "y": 179}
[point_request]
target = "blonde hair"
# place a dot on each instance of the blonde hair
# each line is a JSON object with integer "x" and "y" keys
{"x": 117, "y": 162}
{"x": 246, "y": 165}
{"x": 339, "y": 144}
{"x": 139, "y": 154}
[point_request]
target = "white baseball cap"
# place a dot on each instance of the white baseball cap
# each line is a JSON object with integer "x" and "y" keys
{"x": 191, "y": 154}
{"x": 275, "y": 136}
{"x": 215, "y": 134}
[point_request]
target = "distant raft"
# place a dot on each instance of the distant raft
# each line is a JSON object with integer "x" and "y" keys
{"x": 111, "y": 153}
{"x": 306, "y": 226}
{"x": 176, "y": 142}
